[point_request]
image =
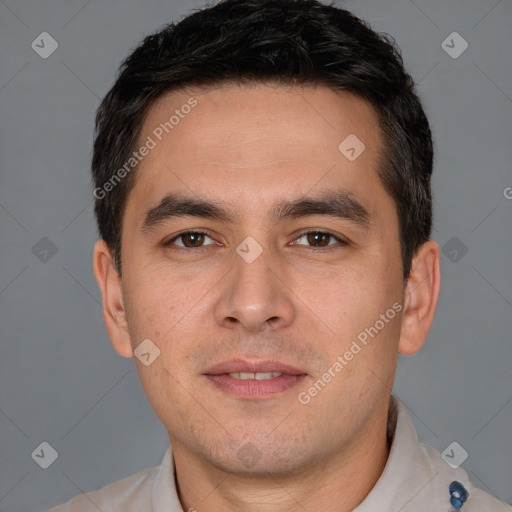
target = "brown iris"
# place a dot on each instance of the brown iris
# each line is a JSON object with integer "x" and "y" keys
{"x": 318, "y": 239}
{"x": 193, "y": 239}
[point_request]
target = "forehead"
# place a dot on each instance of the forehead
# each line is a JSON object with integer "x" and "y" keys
{"x": 247, "y": 145}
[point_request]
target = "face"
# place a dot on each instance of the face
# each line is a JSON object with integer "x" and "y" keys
{"x": 263, "y": 260}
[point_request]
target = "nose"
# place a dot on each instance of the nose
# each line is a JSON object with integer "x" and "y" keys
{"x": 255, "y": 296}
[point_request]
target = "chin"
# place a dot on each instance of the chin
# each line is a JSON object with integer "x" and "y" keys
{"x": 259, "y": 456}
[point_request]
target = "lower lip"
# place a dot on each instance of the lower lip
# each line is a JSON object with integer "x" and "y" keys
{"x": 255, "y": 389}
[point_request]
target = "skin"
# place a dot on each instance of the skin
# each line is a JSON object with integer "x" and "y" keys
{"x": 245, "y": 147}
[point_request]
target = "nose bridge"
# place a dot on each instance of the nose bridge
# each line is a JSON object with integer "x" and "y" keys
{"x": 252, "y": 279}
{"x": 254, "y": 295}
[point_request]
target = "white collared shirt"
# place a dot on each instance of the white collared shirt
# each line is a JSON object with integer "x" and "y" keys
{"x": 415, "y": 479}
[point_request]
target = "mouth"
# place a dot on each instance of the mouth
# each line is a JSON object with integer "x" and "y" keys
{"x": 254, "y": 376}
{"x": 254, "y": 379}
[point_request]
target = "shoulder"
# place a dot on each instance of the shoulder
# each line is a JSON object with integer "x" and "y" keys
{"x": 418, "y": 478}
{"x": 483, "y": 502}
{"x": 129, "y": 494}
{"x": 478, "y": 500}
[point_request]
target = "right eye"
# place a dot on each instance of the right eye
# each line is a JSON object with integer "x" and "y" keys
{"x": 190, "y": 240}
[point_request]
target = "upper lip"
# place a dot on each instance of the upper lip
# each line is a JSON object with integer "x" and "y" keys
{"x": 241, "y": 365}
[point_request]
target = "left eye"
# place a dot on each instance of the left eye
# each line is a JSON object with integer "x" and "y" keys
{"x": 191, "y": 239}
{"x": 318, "y": 239}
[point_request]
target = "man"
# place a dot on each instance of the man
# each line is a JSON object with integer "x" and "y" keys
{"x": 262, "y": 182}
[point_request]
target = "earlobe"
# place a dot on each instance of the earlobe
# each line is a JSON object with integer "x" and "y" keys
{"x": 421, "y": 295}
{"x": 114, "y": 314}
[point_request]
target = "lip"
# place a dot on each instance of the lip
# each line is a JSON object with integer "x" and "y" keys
{"x": 252, "y": 389}
{"x": 241, "y": 365}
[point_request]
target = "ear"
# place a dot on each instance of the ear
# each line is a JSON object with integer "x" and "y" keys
{"x": 421, "y": 294}
{"x": 114, "y": 315}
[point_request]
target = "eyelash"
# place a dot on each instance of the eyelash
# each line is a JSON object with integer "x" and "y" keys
{"x": 342, "y": 242}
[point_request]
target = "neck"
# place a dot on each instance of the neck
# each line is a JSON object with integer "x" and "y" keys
{"x": 338, "y": 483}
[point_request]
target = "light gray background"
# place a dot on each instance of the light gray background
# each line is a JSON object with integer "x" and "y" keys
{"x": 60, "y": 379}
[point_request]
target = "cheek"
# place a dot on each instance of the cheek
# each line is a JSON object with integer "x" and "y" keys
{"x": 151, "y": 309}
{"x": 156, "y": 311}
{"x": 347, "y": 307}
{"x": 159, "y": 297}
{"x": 171, "y": 312}
{"x": 342, "y": 299}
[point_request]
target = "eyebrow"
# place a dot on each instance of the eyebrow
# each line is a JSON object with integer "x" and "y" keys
{"x": 340, "y": 204}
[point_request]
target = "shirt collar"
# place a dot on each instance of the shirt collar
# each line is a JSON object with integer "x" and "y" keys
{"x": 407, "y": 471}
